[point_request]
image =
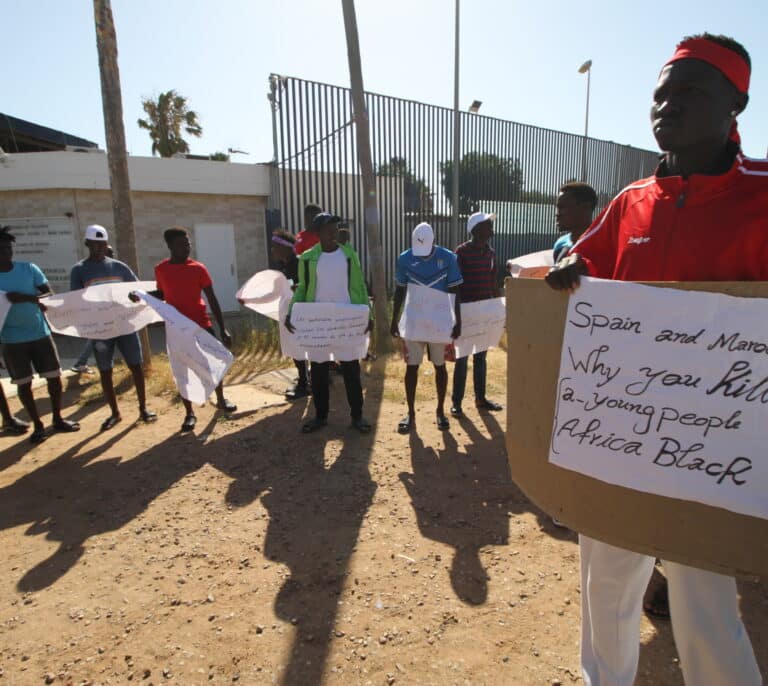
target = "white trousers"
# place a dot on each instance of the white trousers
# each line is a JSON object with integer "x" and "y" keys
{"x": 711, "y": 641}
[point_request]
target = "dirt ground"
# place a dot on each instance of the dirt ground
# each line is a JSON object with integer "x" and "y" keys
{"x": 253, "y": 554}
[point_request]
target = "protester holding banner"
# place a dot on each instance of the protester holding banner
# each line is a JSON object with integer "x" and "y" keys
{"x": 576, "y": 202}
{"x": 181, "y": 282}
{"x": 26, "y": 337}
{"x": 477, "y": 262}
{"x": 282, "y": 252}
{"x": 428, "y": 265}
{"x": 98, "y": 269}
{"x": 331, "y": 273}
{"x": 308, "y": 237}
{"x": 701, "y": 217}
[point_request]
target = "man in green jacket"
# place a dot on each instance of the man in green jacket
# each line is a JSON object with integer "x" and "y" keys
{"x": 330, "y": 273}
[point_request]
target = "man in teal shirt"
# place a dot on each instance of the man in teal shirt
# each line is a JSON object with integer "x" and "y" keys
{"x": 26, "y": 337}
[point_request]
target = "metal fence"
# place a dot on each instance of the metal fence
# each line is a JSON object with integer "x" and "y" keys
{"x": 508, "y": 168}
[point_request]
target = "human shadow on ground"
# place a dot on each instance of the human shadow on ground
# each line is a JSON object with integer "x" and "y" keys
{"x": 464, "y": 500}
{"x": 317, "y": 489}
{"x": 74, "y": 497}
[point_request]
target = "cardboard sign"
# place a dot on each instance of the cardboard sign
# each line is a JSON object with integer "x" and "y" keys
{"x": 198, "y": 360}
{"x": 5, "y": 306}
{"x": 482, "y": 324}
{"x": 326, "y": 331}
{"x": 100, "y": 312}
{"x": 672, "y": 528}
{"x": 428, "y": 315}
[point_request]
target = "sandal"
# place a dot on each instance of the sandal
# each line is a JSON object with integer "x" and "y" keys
{"x": 109, "y": 422}
{"x": 227, "y": 406}
{"x": 362, "y": 425}
{"x": 442, "y": 422}
{"x": 189, "y": 423}
{"x": 15, "y": 427}
{"x": 488, "y": 405}
{"x": 38, "y": 436}
{"x": 404, "y": 426}
{"x": 147, "y": 416}
{"x": 313, "y": 425}
{"x": 65, "y": 426}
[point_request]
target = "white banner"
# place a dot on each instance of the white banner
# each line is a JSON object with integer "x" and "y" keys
{"x": 198, "y": 360}
{"x": 428, "y": 315}
{"x": 267, "y": 292}
{"x": 5, "y": 306}
{"x": 543, "y": 258}
{"x": 100, "y": 312}
{"x": 482, "y": 324}
{"x": 326, "y": 331}
{"x": 666, "y": 391}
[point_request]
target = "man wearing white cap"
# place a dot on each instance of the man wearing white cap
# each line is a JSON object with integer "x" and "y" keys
{"x": 98, "y": 269}
{"x": 425, "y": 264}
{"x": 477, "y": 262}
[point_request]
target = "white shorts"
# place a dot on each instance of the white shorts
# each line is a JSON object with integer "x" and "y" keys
{"x": 413, "y": 351}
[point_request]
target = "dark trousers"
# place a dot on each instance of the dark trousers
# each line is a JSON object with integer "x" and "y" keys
{"x": 460, "y": 377}
{"x": 319, "y": 379}
{"x": 301, "y": 368}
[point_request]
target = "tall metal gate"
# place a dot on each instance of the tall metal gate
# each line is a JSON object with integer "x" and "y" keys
{"x": 508, "y": 168}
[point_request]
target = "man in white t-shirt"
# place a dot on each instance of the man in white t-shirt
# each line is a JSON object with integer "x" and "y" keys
{"x": 330, "y": 272}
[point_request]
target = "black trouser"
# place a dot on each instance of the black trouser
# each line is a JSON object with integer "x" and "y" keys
{"x": 301, "y": 368}
{"x": 319, "y": 379}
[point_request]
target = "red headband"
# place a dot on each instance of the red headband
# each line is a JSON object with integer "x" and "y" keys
{"x": 732, "y": 65}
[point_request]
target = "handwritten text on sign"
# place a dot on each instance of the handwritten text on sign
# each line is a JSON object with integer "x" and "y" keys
{"x": 326, "y": 331}
{"x": 428, "y": 315}
{"x": 100, "y": 312}
{"x": 482, "y": 323}
{"x": 666, "y": 391}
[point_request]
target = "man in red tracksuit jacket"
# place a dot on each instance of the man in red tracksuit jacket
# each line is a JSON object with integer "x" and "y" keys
{"x": 702, "y": 217}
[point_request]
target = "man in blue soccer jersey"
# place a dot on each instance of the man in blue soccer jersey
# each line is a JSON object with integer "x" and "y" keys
{"x": 425, "y": 264}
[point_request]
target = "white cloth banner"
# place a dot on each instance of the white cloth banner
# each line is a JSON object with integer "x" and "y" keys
{"x": 100, "y": 312}
{"x": 665, "y": 391}
{"x": 5, "y": 306}
{"x": 427, "y": 315}
{"x": 326, "y": 331}
{"x": 482, "y": 324}
{"x": 198, "y": 360}
{"x": 543, "y": 258}
{"x": 267, "y": 292}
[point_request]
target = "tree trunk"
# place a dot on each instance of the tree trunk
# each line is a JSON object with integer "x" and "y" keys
{"x": 375, "y": 252}
{"x": 125, "y": 240}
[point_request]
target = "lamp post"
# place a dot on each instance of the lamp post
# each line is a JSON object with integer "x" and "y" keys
{"x": 456, "y": 132}
{"x": 585, "y": 68}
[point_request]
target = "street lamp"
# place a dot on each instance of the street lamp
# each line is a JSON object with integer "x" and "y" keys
{"x": 585, "y": 68}
{"x": 474, "y": 108}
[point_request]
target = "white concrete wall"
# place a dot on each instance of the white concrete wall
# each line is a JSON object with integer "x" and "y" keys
{"x": 89, "y": 171}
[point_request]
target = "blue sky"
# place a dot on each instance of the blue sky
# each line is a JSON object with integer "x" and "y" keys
{"x": 519, "y": 57}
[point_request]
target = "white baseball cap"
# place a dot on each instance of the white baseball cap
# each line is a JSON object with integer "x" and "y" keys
{"x": 478, "y": 218}
{"x": 95, "y": 232}
{"x": 422, "y": 240}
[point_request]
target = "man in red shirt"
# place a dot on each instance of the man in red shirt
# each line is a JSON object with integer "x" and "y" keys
{"x": 181, "y": 282}
{"x": 308, "y": 237}
{"x": 701, "y": 217}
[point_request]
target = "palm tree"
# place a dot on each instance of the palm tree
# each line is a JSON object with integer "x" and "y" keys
{"x": 165, "y": 119}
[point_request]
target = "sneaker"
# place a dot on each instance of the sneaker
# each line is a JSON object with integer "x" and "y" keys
{"x": 298, "y": 391}
{"x": 81, "y": 369}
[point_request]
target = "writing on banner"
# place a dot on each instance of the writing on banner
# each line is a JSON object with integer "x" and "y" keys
{"x": 326, "y": 331}
{"x": 663, "y": 403}
{"x": 198, "y": 360}
{"x": 5, "y": 306}
{"x": 100, "y": 312}
{"x": 428, "y": 315}
{"x": 267, "y": 292}
{"x": 482, "y": 324}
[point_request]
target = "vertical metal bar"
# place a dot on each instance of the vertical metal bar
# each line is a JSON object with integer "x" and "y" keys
{"x": 280, "y": 96}
{"x": 291, "y": 155}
